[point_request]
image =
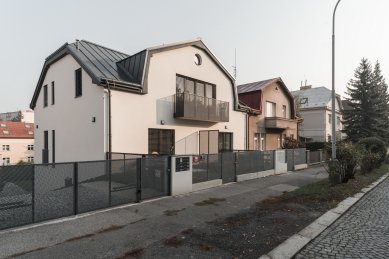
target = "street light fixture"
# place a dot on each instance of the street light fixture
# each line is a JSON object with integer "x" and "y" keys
{"x": 333, "y": 85}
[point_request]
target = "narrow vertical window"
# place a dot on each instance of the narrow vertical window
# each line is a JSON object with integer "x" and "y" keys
{"x": 78, "y": 76}
{"x": 53, "y": 146}
{"x": 52, "y": 93}
{"x": 45, "y": 151}
{"x": 45, "y": 97}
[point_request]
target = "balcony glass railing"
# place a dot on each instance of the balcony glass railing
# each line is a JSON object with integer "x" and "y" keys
{"x": 194, "y": 107}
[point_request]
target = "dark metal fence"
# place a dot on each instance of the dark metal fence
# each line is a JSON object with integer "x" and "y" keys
{"x": 315, "y": 157}
{"x": 300, "y": 156}
{"x": 228, "y": 165}
{"x": 34, "y": 193}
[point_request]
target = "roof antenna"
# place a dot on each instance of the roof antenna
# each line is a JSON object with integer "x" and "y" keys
{"x": 77, "y": 47}
{"x": 235, "y": 66}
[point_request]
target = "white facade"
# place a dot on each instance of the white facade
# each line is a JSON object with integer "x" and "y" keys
{"x": 15, "y": 150}
{"x": 78, "y": 138}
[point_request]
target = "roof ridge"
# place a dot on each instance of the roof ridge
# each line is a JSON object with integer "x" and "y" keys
{"x": 58, "y": 50}
{"x": 101, "y": 46}
{"x": 270, "y": 79}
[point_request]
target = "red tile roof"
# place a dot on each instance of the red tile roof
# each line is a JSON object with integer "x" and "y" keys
{"x": 10, "y": 129}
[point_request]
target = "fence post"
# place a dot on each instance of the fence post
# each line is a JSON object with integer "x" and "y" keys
{"x": 33, "y": 195}
{"x": 139, "y": 179}
{"x": 109, "y": 182}
{"x": 236, "y": 158}
{"x": 75, "y": 191}
{"x": 320, "y": 155}
{"x": 307, "y": 156}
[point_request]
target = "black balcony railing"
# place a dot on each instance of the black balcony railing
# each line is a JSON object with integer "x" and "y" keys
{"x": 194, "y": 107}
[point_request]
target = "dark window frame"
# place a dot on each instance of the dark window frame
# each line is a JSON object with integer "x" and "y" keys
{"x": 78, "y": 82}
{"x": 53, "y": 146}
{"x": 222, "y": 138}
{"x": 214, "y": 92}
{"x": 52, "y": 93}
{"x": 159, "y": 144}
{"x": 45, "y": 96}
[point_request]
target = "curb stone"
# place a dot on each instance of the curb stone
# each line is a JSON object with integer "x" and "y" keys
{"x": 297, "y": 242}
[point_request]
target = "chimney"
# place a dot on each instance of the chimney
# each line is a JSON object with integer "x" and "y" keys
{"x": 305, "y": 87}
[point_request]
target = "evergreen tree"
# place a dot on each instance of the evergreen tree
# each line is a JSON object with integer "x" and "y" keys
{"x": 382, "y": 109}
{"x": 361, "y": 121}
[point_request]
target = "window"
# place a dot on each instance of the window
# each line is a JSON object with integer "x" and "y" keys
{"x": 270, "y": 109}
{"x": 6, "y": 148}
{"x": 259, "y": 141}
{"x": 284, "y": 111}
{"x": 304, "y": 100}
{"x": 283, "y": 137}
{"x": 161, "y": 141}
{"x": 6, "y": 161}
{"x": 193, "y": 86}
{"x": 3, "y": 125}
{"x": 52, "y": 93}
{"x": 53, "y": 146}
{"x": 30, "y": 159}
{"x": 45, "y": 151}
{"x": 5, "y": 132}
{"x": 338, "y": 120}
{"x": 30, "y": 132}
{"x": 27, "y": 126}
{"x": 292, "y": 136}
{"x": 30, "y": 147}
{"x": 197, "y": 59}
{"x": 329, "y": 118}
{"x": 78, "y": 82}
{"x": 329, "y": 138}
{"x": 45, "y": 98}
{"x": 225, "y": 142}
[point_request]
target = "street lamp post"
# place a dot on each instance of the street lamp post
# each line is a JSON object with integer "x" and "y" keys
{"x": 333, "y": 86}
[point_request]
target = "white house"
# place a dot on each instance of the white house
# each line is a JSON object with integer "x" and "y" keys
{"x": 177, "y": 98}
{"x": 315, "y": 106}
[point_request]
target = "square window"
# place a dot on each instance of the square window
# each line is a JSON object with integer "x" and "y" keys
{"x": 6, "y": 148}
{"x": 6, "y": 161}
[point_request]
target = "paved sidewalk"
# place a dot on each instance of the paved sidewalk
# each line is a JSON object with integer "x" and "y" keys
{"x": 362, "y": 232}
{"x": 140, "y": 229}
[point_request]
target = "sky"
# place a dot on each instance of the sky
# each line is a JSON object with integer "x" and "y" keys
{"x": 272, "y": 38}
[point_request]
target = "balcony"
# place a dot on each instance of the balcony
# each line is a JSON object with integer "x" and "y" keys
{"x": 280, "y": 123}
{"x": 193, "y": 107}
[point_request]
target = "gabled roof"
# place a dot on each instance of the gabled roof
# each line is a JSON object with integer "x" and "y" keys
{"x": 260, "y": 85}
{"x": 256, "y": 86}
{"x": 19, "y": 130}
{"x": 118, "y": 70}
{"x": 317, "y": 97}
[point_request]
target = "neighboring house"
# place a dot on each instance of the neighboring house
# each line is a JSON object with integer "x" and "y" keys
{"x": 176, "y": 98}
{"x": 271, "y": 117}
{"x": 21, "y": 116}
{"x": 16, "y": 142}
{"x": 315, "y": 108}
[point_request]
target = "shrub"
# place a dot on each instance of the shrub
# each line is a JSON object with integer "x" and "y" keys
{"x": 290, "y": 143}
{"x": 347, "y": 160}
{"x": 313, "y": 146}
{"x": 374, "y": 149}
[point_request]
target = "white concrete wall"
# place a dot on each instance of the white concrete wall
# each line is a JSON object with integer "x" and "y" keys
{"x": 77, "y": 137}
{"x": 18, "y": 150}
{"x": 133, "y": 115}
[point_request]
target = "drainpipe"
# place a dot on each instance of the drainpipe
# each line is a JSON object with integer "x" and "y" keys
{"x": 109, "y": 120}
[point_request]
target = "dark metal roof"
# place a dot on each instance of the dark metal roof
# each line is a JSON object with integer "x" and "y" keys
{"x": 119, "y": 70}
{"x": 256, "y": 86}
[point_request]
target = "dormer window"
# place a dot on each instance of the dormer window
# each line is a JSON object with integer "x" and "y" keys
{"x": 304, "y": 100}
{"x": 30, "y": 132}
{"x": 5, "y": 132}
{"x": 3, "y": 125}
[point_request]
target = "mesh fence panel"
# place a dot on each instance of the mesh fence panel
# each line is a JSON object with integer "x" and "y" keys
{"x": 200, "y": 170}
{"x": 16, "y": 195}
{"x": 123, "y": 181}
{"x": 154, "y": 177}
{"x": 54, "y": 191}
{"x": 228, "y": 167}
{"x": 268, "y": 160}
{"x": 314, "y": 156}
{"x": 300, "y": 156}
{"x": 249, "y": 162}
{"x": 93, "y": 186}
{"x": 214, "y": 167}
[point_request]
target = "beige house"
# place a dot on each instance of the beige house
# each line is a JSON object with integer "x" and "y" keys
{"x": 271, "y": 114}
{"x": 16, "y": 142}
{"x": 316, "y": 110}
{"x": 178, "y": 98}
